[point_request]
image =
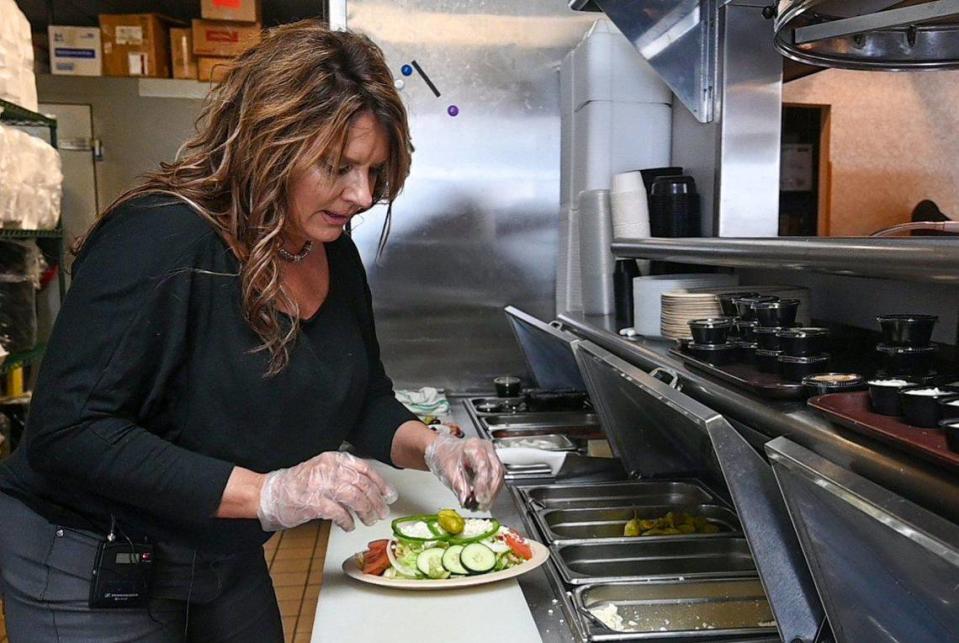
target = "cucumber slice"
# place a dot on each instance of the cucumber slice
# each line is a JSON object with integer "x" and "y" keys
{"x": 451, "y": 560}
{"x": 477, "y": 558}
{"x": 430, "y": 562}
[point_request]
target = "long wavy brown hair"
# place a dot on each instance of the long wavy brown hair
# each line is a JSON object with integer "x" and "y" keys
{"x": 285, "y": 104}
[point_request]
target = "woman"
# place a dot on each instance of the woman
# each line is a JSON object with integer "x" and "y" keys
{"x": 215, "y": 349}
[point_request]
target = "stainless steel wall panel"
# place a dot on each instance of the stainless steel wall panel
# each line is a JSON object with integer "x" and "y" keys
{"x": 476, "y": 227}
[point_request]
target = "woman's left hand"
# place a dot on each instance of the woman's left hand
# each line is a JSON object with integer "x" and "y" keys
{"x": 467, "y": 466}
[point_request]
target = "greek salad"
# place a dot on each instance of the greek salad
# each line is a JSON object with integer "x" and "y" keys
{"x": 444, "y": 545}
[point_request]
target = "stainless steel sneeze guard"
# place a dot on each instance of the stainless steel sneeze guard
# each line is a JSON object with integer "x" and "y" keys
{"x": 652, "y": 428}
{"x": 548, "y": 351}
{"x": 886, "y": 569}
{"x": 624, "y": 394}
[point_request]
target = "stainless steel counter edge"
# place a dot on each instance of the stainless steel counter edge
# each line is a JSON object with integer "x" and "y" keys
{"x": 933, "y": 488}
{"x": 916, "y": 259}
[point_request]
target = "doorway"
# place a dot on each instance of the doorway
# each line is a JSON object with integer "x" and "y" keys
{"x": 804, "y": 171}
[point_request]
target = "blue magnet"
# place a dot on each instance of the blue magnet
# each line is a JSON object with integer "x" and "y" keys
{"x": 452, "y": 110}
{"x": 406, "y": 70}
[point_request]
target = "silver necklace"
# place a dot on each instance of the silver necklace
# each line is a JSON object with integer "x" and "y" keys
{"x": 299, "y": 256}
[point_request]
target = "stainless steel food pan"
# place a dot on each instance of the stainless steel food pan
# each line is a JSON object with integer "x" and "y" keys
{"x": 549, "y": 442}
{"x": 641, "y": 559}
{"x": 591, "y": 496}
{"x": 667, "y": 611}
{"x": 608, "y": 523}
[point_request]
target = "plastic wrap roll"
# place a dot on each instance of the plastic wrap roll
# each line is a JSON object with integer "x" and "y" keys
{"x": 595, "y": 237}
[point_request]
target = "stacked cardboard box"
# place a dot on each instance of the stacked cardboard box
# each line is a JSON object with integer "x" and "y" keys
{"x": 135, "y": 44}
{"x": 227, "y": 29}
{"x": 182, "y": 59}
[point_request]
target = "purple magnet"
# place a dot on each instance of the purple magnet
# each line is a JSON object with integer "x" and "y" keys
{"x": 452, "y": 110}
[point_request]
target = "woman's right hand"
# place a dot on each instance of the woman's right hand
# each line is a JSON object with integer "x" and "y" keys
{"x": 333, "y": 485}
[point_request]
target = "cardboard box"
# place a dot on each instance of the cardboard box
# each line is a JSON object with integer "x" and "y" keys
{"x": 223, "y": 39}
{"x": 75, "y": 51}
{"x": 136, "y": 44}
{"x": 237, "y": 10}
{"x": 182, "y": 59}
{"x": 212, "y": 69}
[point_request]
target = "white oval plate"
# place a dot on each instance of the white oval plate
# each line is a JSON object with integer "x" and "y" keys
{"x": 540, "y": 555}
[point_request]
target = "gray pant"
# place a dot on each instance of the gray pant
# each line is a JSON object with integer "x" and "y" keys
{"x": 45, "y": 574}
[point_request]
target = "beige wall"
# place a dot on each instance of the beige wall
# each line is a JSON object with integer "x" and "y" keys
{"x": 894, "y": 142}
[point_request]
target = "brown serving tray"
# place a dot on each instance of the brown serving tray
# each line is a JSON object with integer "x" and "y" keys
{"x": 746, "y": 376}
{"x": 852, "y": 410}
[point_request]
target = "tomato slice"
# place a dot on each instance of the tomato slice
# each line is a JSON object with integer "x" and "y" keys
{"x": 375, "y": 563}
{"x": 519, "y": 546}
{"x": 376, "y": 545}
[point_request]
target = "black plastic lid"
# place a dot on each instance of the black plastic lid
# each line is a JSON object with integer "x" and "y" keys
{"x": 808, "y": 359}
{"x": 712, "y": 347}
{"x": 803, "y": 332}
{"x": 673, "y": 184}
{"x": 767, "y": 330}
{"x": 889, "y": 349}
{"x": 906, "y": 317}
{"x": 712, "y": 322}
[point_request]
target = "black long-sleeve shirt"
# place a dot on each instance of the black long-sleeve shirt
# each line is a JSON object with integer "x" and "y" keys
{"x": 151, "y": 389}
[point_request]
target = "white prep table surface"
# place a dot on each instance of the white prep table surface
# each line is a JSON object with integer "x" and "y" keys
{"x": 348, "y": 610}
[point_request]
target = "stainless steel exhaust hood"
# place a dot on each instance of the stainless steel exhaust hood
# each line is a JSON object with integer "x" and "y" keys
{"x": 679, "y": 38}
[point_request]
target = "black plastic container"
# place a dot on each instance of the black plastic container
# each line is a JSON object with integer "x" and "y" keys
{"x": 776, "y": 313}
{"x": 727, "y": 304}
{"x": 744, "y": 305}
{"x": 884, "y": 395}
{"x": 922, "y": 410}
{"x": 714, "y": 330}
{"x": 674, "y": 207}
{"x": 715, "y": 354}
{"x": 798, "y": 342}
{"x": 907, "y": 330}
{"x": 826, "y": 383}
{"x": 767, "y": 361}
{"x": 507, "y": 386}
{"x": 745, "y": 328}
{"x": 747, "y": 351}
{"x": 766, "y": 337}
{"x": 951, "y": 429}
{"x": 795, "y": 367}
{"x": 949, "y": 408}
{"x": 916, "y": 361}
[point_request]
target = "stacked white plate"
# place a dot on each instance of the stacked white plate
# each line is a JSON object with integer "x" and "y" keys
{"x": 648, "y": 296}
{"x": 680, "y": 307}
{"x": 804, "y": 313}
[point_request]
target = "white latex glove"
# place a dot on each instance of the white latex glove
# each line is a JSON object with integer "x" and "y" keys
{"x": 467, "y": 466}
{"x": 331, "y": 485}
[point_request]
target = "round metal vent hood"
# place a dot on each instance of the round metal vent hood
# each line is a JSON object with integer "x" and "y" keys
{"x": 870, "y": 34}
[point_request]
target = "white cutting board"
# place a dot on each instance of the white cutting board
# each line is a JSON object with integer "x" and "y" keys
{"x": 352, "y": 611}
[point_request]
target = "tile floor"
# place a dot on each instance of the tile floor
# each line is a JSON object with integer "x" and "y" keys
{"x": 296, "y": 559}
